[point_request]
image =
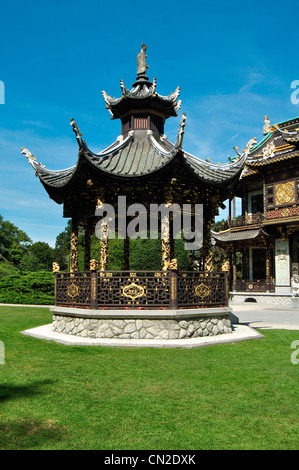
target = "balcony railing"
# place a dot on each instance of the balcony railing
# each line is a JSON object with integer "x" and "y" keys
{"x": 252, "y": 219}
{"x": 141, "y": 289}
{"x": 254, "y": 285}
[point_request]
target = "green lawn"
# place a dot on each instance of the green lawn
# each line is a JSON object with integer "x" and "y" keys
{"x": 231, "y": 396}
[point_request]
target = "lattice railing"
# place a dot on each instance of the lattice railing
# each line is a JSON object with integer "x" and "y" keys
{"x": 133, "y": 289}
{"x": 141, "y": 289}
{"x": 73, "y": 289}
{"x": 202, "y": 289}
{"x": 255, "y": 285}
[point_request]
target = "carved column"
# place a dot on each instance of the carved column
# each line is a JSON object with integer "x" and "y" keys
{"x": 207, "y": 249}
{"x": 74, "y": 247}
{"x": 93, "y": 283}
{"x": 167, "y": 246}
{"x": 104, "y": 248}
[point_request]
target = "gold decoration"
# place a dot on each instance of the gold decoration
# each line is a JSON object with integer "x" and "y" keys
{"x": 73, "y": 290}
{"x": 285, "y": 212}
{"x": 225, "y": 266}
{"x": 202, "y": 290}
{"x": 74, "y": 251}
{"x": 93, "y": 265}
{"x": 133, "y": 291}
{"x": 268, "y": 151}
{"x": 166, "y": 247}
{"x": 285, "y": 193}
{"x": 173, "y": 286}
{"x": 267, "y": 125}
{"x": 104, "y": 247}
{"x": 173, "y": 264}
{"x": 55, "y": 268}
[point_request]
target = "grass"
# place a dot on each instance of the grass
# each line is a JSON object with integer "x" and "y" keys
{"x": 229, "y": 396}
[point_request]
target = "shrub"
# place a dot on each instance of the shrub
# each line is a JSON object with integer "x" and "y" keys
{"x": 36, "y": 288}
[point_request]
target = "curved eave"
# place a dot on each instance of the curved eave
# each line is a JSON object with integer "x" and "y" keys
{"x": 55, "y": 179}
{"x": 227, "y": 236}
{"x": 128, "y": 159}
{"x": 277, "y": 157}
{"x": 218, "y": 175}
{"x": 284, "y": 134}
{"x": 146, "y": 92}
{"x": 138, "y": 159}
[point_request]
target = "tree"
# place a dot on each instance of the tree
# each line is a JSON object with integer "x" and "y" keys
{"x": 39, "y": 257}
{"x": 62, "y": 246}
{"x": 13, "y": 242}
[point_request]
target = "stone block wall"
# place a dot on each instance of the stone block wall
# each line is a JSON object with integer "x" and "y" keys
{"x": 141, "y": 328}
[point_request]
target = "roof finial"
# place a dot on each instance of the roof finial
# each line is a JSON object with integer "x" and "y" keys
{"x": 181, "y": 132}
{"x": 141, "y": 61}
{"x": 75, "y": 128}
{"x": 31, "y": 159}
{"x": 28, "y": 155}
{"x": 267, "y": 126}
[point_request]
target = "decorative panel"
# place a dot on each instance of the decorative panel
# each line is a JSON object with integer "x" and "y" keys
{"x": 285, "y": 193}
{"x": 73, "y": 289}
{"x": 202, "y": 289}
{"x": 133, "y": 289}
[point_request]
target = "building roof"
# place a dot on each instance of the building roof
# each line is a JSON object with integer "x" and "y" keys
{"x": 139, "y": 154}
{"x": 143, "y": 95}
{"x": 281, "y": 142}
{"x": 229, "y": 236}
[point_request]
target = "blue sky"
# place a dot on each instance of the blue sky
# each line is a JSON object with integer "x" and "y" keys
{"x": 234, "y": 61}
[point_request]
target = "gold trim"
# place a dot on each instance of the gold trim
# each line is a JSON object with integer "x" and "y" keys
{"x": 73, "y": 290}
{"x": 133, "y": 291}
{"x": 285, "y": 193}
{"x": 202, "y": 290}
{"x": 276, "y": 221}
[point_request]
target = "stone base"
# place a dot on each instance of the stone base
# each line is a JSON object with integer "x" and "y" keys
{"x": 260, "y": 298}
{"x": 142, "y": 324}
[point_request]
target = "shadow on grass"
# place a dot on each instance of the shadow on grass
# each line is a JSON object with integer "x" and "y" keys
{"x": 22, "y": 433}
{"x": 25, "y": 434}
{"x": 11, "y": 392}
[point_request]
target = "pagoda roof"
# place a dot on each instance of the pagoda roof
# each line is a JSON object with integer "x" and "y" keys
{"x": 143, "y": 95}
{"x": 140, "y": 154}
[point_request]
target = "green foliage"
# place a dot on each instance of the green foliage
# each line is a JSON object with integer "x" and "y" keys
{"x": 7, "y": 269}
{"x": 36, "y": 288}
{"x": 39, "y": 257}
{"x": 13, "y": 242}
{"x": 62, "y": 247}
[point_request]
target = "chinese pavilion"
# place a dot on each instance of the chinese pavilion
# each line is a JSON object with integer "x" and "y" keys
{"x": 267, "y": 232}
{"x": 143, "y": 165}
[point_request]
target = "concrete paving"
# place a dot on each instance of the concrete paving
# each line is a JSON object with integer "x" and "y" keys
{"x": 267, "y": 316}
{"x": 252, "y": 314}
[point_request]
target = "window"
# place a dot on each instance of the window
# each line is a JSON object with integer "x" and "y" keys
{"x": 257, "y": 203}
